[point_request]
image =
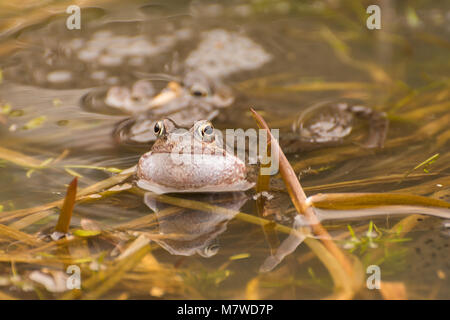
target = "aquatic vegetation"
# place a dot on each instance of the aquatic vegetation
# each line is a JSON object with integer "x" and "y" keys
{"x": 67, "y": 160}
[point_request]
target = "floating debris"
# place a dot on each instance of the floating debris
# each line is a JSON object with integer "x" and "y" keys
{"x": 35, "y": 123}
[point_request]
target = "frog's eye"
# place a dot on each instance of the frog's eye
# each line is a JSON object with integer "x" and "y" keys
{"x": 198, "y": 91}
{"x": 206, "y": 130}
{"x": 159, "y": 128}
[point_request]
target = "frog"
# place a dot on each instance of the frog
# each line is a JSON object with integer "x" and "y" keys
{"x": 192, "y": 88}
{"x": 330, "y": 123}
{"x": 190, "y": 161}
{"x": 194, "y": 96}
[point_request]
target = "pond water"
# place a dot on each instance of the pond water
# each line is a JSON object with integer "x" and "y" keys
{"x": 358, "y": 111}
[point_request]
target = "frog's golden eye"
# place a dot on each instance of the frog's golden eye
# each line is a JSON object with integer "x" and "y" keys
{"x": 159, "y": 128}
{"x": 206, "y": 130}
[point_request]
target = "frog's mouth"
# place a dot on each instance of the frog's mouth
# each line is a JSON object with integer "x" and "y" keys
{"x": 160, "y": 173}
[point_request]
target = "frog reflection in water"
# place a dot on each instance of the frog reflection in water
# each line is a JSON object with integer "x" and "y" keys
{"x": 210, "y": 169}
{"x": 192, "y": 232}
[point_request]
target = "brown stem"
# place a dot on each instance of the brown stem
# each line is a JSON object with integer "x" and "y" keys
{"x": 66, "y": 211}
{"x": 298, "y": 197}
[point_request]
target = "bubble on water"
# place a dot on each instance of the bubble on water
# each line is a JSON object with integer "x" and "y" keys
{"x": 59, "y": 76}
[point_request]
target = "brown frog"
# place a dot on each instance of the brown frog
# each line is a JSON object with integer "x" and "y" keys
{"x": 190, "y": 161}
{"x": 193, "y": 89}
{"x": 195, "y": 96}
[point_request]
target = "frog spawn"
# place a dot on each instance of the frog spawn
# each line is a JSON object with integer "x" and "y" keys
{"x": 219, "y": 54}
{"x": 96, "y": 57}
{"x": 199, "y": 94}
